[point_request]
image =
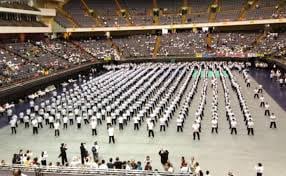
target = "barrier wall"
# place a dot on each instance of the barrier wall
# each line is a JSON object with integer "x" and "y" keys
{"x": 178, "y": 26}
{"x": 42, "y": 12}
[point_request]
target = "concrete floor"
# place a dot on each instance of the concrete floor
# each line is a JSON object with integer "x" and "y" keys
{"x": 218, "y": 153}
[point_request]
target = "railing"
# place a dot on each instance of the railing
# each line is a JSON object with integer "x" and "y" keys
{"x": 78, "y": 171}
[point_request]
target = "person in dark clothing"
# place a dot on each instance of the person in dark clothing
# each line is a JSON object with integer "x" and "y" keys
{"x": 117, "y": 164}
{"x": 164, "y": 154}
{"x": 83, "y": 153}
{"x": 110, "y": 164}
{"x": 63, "y": 153}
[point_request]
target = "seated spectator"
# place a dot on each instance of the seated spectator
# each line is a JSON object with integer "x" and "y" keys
{"x": 148, "y": 167}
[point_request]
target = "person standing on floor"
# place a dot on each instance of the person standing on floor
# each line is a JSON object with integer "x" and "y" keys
{"x": 44, "y": 157}
{"x": 196, "y": 132}
{"x": 93, "y": 124}
{"x": 273, "y": 121}
{"x": 83, "y": 153}
{"x": 65, "y": 121}
{"x": 57, "y": 128}
{"x": 164, "y": 154}
{"x": 78, "y": 121}
{"x": 259, "y": 169}
{"x": 150, "y": 127}
{"x": 13, "y": 126}
{"x": 233, "y": 125}
{"x": 179, "y": 124}
{"x": 94, "y": 151}
{"x": 250, "y": 125}
{"x": 256, "y": 93}
{"x": 214, "y": 125}
{"x": 63, "y": 154}
{"x": 35, "y": 126}
{"x": 111, "y": 134}
{"x": 267, "y": 111}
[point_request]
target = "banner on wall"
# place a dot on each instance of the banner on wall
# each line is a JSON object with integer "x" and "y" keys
{"x": 107, "y": 58}
{"x": 251, "y": 55}
{"x": 164, "y": 31}
{"x": 259, "y": 55}
{"x": 199, "y": 55}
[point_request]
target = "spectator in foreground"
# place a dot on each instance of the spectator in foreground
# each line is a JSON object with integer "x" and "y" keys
{"x": 164, "y": 154}
{"x": 17, "y": 172}
{"x": 148, "y": 167}
{"x": 230, "y": 174}
{"x": 110, "y": 164}
{"x": 117, "y": 164}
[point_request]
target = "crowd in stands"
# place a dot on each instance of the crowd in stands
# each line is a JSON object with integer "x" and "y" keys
{"x": 136, "y": 45}
{"x": 14, "y": 19}
{"x": 99, "y": 48}
{"x": 170, "y": 12}
{"x": 30, "y": 59}
{"x": 35, "y": 58}
{"x": 18, "y": 19}
{"x": 185, "y": 43}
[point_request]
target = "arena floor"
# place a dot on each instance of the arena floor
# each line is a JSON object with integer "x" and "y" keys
{"x": 218, "y": 153}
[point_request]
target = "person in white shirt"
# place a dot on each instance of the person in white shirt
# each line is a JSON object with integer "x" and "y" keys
{"x": 108, "y": 121}
{"x": 233, "y": 124}
{"x": 214, "y": 125}
{"x": 250, "y": 125}
{"x": 120, "y": 122}
{"x": 51, "y": 121}
{"x": 85, "y": 118}
{"x": 13, "y": 125}
{"x": 44, "y": 157}
{"x": 40, "y": 121}
{"x": 57, "y": 128}
{"x": 247, "y": 82}
{"x": 162, "y": 124}
{"x": 150, "y": 127}
{"x": 179, "y": 124}
{"x": 196, "y": 127}
{"x": 259, "y": 169}
{"x": 27, "y": 121}
{"x": 260, "y": 88}
{"x": 136, "y": 123}
{"x": 9, "y": 114}
{"x": 273, "y": 121}
{"x": 71, "y": 117}
{"x": 256, "y": 93}
{"x": 262, "y": 103}
{"x": 93, "y": 124}
{"x": 46, "y": 117}
{"x": 267, "y": 111}
{"x": 78, "y": 121}
{"x": 65, "y": 122}
{"x": 103, "y": 165}
{"x": 35, "y": 126}
{"x": 111, "y": 134}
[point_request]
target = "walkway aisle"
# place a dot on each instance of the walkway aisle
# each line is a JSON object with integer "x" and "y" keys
{"x": 265, "y": 145}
